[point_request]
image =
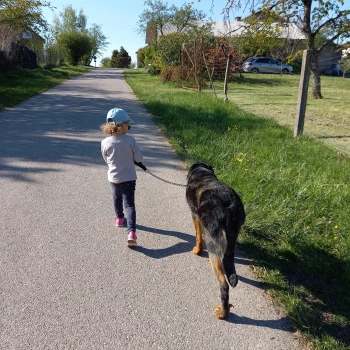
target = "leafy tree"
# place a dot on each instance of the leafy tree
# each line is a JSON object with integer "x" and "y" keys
{"x": 141, "y": 57}
{"x": 70, "y": 21}
{"x": 75, "y": 46}
{"x": 124, "y": 58}
{"x": 163, "y": 17}
{"x": 158, "y": 13}
{"x": 23, "y": 14}
{"x": 313, "y": 18}
{"x": 106, "y": 62}
{"x": 114, "y": 59}
{"x": 120, "y": 59}
{"x": 99, "y": 40}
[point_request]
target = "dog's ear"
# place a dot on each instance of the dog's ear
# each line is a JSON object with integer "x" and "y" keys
{"x": 200, "y": 165}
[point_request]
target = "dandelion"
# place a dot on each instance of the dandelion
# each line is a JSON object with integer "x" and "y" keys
{"x": 239, "y": 160}
{"x": 336, "y": 227}
{"x": 335, "y": 238}
{"x": 308, "y": 227}
{"x": 228, "y": 129}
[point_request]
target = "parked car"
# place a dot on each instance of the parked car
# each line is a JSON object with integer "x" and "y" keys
{"x": 265, "y": 65}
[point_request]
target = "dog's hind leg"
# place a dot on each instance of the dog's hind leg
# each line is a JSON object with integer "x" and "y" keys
{"x": 222, "y": 310}
{"x": 199, "y": 248}
{"x": 229, "y": 264}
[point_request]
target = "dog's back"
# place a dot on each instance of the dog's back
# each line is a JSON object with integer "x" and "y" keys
{"x": 218, "y": 212}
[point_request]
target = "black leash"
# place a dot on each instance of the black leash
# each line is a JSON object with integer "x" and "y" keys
{"x": 169, "y": 182}
{"x": 143, "y": 167}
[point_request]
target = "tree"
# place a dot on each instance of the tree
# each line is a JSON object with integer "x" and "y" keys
{"x": 313, "y": 18}
{"x": 23, "y": 14}
{"x": 120, "y": 59}
{"x": 114, "y": 58}
{"x": 70, "y": 21}
{"x": 75, "y": 46}
{"x": 163, "y": 17}
{"x": 106, "y": 62}
{"x": 98, "y": 40}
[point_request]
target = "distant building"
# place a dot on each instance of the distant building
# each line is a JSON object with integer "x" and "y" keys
{"x": 233, "y": 28}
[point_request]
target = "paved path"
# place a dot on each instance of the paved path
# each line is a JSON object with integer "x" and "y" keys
{"x": 68, "y": 281}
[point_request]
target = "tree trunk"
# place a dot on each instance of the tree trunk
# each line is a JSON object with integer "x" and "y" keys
{"x": 316, "y": 79}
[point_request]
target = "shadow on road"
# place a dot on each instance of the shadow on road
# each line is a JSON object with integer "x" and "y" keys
{"x": 280, "y": 324}
{"x": 178, "y": 248}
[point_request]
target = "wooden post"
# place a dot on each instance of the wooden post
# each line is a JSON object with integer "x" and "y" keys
{"x": 227, "y": 75}
{"x": 303, "y": 89}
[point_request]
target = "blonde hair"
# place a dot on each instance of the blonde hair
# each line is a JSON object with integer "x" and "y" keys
{"x": 111, "y": 129}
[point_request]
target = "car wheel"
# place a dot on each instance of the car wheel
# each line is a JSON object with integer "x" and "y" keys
{"x": 285, "y": 71}
{"x": 255, "y": 70}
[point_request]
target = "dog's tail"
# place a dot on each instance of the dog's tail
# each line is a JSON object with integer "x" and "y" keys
{"x": 221, "y": 248}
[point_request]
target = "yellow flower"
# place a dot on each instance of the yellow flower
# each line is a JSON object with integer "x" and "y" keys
{"x": 336, "y": 227}
{"x": 307, "y": 227}
{"x": 335, "y": 237}
{"x": 239, "y": 160}
{"x": 228, "y": 129}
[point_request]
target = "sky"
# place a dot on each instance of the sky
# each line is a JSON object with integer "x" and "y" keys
{"x": 118, "y": 19}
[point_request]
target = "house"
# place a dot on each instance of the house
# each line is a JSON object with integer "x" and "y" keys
{"x": 233, "y": 28}
{"x": 19, "y": 48}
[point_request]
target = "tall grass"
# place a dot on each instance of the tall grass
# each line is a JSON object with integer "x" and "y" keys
{"x": 18, "y": 84}
{"x": 296, "y": 193}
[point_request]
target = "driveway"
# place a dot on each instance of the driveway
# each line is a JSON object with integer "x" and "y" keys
{"x": 68, "y": 281}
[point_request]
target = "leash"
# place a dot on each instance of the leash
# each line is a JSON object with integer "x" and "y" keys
{"x": 169, "y": 182}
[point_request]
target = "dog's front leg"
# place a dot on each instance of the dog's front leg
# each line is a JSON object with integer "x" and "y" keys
{"x": 198, "y": 249}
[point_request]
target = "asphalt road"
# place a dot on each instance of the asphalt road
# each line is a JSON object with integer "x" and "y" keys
{"x": 67, "y": 279}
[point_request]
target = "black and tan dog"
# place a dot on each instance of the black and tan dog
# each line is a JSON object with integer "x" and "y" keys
{"x": 218, "y": 215}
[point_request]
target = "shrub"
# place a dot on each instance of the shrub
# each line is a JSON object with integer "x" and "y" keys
{"x": 75, "y": 46}
{"x": 172, "y": 74}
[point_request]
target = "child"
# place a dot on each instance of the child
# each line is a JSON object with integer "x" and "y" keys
{"x": 121, "y": 151}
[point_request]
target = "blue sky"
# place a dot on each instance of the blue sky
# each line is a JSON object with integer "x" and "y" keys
{"x": 118, "y": 19}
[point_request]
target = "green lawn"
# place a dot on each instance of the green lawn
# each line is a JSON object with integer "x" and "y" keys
{"x": 275, "y": 96}
{"x": 18, "y": 85}
{"x": 296, "y": 194}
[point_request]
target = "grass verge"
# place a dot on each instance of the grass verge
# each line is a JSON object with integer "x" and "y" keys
{"x": 296, "y": 194}
{"x": 18, "y": 85}
{"x": 275, "y": 96}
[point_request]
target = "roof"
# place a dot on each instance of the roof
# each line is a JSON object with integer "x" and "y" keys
{"x": 237, "y": 28}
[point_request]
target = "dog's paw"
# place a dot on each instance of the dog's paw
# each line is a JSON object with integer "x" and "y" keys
{"x": 233, "y": 280}
{"x": 221, "y": 313}
{"x": 197, "y": 250}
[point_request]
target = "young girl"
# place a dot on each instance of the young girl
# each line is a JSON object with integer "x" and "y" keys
{"x": 121, "y": 152}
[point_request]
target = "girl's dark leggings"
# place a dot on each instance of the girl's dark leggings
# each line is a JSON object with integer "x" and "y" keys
{"x": 124, "y": 198}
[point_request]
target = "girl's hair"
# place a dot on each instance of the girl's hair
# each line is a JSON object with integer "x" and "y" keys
{"x": 111, "y": 129}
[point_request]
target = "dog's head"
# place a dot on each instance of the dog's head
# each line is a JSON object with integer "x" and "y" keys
{"x": 197, "y": 166}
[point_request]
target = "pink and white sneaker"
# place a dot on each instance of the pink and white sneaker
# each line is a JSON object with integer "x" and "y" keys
{"x": 119, "y": 222}
{"x": 131, "y": 239}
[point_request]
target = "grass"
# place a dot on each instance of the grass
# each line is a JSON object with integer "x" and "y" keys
{"x": 18, "y": 85}
{"x": 275, "y": 96}
{"x": 295, "y": 190}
